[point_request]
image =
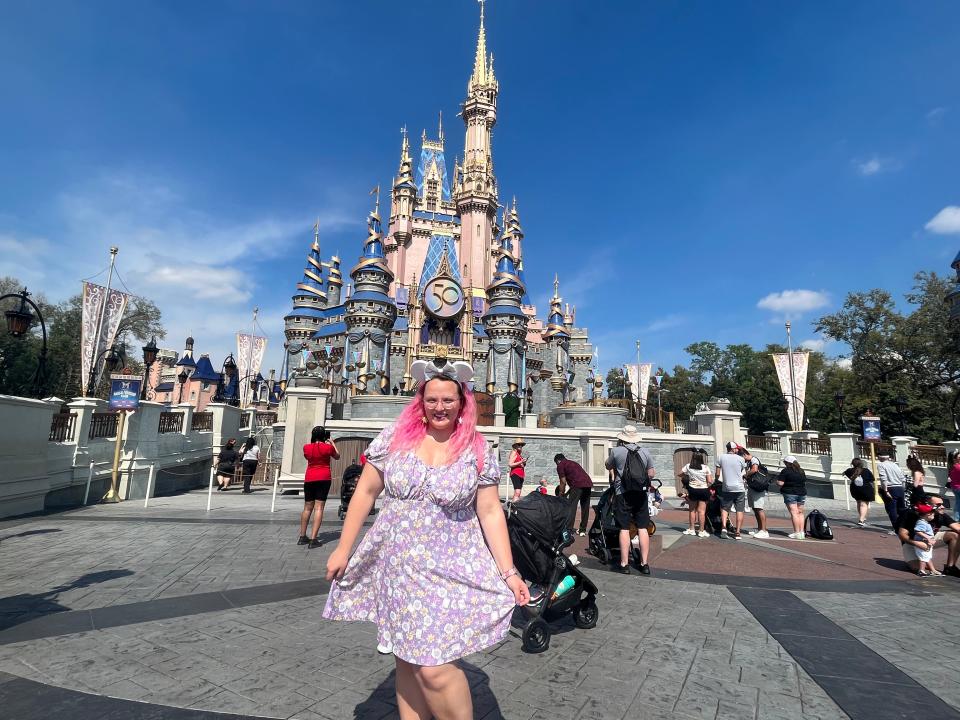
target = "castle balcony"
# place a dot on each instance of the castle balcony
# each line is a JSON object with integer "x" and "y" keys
{"x": 430, "y": 351}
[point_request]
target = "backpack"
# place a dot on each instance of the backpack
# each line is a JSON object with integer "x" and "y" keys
{"x": 817, "y": 527}
{"x": 760, "y": 480}
{"x": 634, "y": 476}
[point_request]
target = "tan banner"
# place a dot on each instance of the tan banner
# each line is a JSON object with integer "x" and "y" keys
{"x": 639, "y": 376}
{"x": 797, "y": 395}
{"x": 250, "y": 352}
{"x": 100, "y": 319}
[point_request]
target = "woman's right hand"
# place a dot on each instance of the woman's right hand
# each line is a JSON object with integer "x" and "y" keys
{"x": 337, "y": 564}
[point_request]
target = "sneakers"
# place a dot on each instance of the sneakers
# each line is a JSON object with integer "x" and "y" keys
{"x": 703, "y": 533}
{"x": 581, "y": 533}
{"x": 796, "y": 536}
{"x": 303, "y": 540}
{"x": 736, "y": 535}
{"x": 724, "y": 533}
{"x": 622, "y": 569}
{"x": 751, "y": 533}
{"x": 314, "y": 544}
{"x": 761, "y": 534}
{"x": 645, "y": 569}
{"x": 923, "y": 573}
{"x": 689, "y": 531}
{"x": 951, "y": 570}
{"x": 861, "y": 523}
{"x": 385, "y": 648}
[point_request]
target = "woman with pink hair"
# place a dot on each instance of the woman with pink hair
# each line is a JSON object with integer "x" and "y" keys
{"x": 435, "y": 571}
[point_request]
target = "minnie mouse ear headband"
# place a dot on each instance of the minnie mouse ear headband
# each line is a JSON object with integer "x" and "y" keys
{"x": 424, "y": 370}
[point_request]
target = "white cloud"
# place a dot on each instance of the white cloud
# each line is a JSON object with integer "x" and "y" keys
{"x": 875, "y": 165}
{"x": 794, "y": 301}
{"x": 665, "y": 323}
{"x": 945, "y": 222}
{"x": 936, "y": 115}
{"x": 202, "y": 282}
{"x": 815, "y": 344}
{"x": 844, "y": 362}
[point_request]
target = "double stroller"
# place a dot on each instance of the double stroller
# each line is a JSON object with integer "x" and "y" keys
{"x": 603, "y": 538}
{"x": 537, "y": 525}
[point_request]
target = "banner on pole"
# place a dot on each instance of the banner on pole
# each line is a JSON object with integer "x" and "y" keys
{"x": 250, "y": 352}
{"x": 639, "y": 376}
{"x": 97, "y": 336}
{"x": 801, "y": 361}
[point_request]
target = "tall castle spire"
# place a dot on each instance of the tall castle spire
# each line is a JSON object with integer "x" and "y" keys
{"x": 310, "y": 296}
{"x": 482, "y": 67}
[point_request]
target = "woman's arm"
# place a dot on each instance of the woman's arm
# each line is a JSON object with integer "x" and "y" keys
{"x": 515, "y": 460}
{"x": 494, "y": 526}
{"x": 369, "y": 486}
{"x": 336, "y": 453}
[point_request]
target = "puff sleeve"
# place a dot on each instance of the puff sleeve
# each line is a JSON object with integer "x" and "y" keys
{"x": 377, "y": 451}
{"x": 490, "y": 475}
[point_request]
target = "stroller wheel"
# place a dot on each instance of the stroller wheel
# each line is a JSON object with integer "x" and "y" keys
{"x": 536, "y": 636}
{"x": 606, "y": 556}
{"x": 586, "y": 614}
{"x": 341, "y": 513}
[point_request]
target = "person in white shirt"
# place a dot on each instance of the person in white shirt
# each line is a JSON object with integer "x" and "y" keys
{"x": 697, "y": 477}
{"x": 250, "y": 455}
{"x": 730, "y": 468}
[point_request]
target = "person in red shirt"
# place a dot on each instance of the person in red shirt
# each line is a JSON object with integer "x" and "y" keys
{"x": 573, "y": 475}
{"x": 316, "y": 482}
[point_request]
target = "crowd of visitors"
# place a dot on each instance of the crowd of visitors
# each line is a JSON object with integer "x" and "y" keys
{"x": 227, "y": 460}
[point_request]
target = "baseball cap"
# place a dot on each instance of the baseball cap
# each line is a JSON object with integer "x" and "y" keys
{"x": 789, "y": 459}
{"x": 923, "y": 508}
{"x": 732, "y": 446}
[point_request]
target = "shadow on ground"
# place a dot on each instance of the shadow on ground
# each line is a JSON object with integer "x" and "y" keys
{"x": 28, "y": 533}
{"x": 17, "y": 609}
{"x": 384, "y": 697}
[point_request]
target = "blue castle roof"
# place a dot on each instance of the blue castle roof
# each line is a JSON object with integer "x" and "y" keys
{"x": 205, "y": 371}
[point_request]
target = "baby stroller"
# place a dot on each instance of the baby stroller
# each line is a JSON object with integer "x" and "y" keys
{"x": 603, "y": 538}
{"x": 347, "y": 487}
{"x": 538, "y": 535}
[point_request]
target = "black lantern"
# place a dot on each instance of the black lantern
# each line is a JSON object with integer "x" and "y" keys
{"x": 229, "y": 366}
{"x": 182, "y": 377}
{"x": 113, "y": 359}
{"x": 19, "y": 320}
{"x": 149, "y": 358}
{"x": 18, "y": 325}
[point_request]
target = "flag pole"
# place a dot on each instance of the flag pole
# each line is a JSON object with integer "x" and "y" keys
{"x": 89, "y": 383}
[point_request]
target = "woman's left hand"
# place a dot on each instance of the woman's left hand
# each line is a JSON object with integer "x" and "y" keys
{"x": 521, "y": 593}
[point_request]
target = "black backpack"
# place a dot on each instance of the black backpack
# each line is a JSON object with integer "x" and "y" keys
{"x": 634, "y": 476}
{"x": 817, "y": 527}
{"x": 760, "y": 480}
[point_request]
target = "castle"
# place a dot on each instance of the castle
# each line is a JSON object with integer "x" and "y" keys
{"x": 447, "y": 278}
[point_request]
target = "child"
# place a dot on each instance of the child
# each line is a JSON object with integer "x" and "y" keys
{"x": 542, "y": 489}
{"x": 923, "y": 532}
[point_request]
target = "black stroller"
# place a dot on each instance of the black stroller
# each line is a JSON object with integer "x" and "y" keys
{"x": 348, "y": 486}
{"x": 603, "y": 539}
{"x": 538, "y": 535}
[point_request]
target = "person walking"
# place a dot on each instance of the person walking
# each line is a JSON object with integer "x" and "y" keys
{"x": 226, "y": 464}
{"x": 698, "y": 481}
{"x": 316, "y": 483}
{"x": 953, "y": 477}
{"x": 572, "y": 473}
{"x": 793, "y": 486}
{"x": 435, "y": 571}
{"x": 733, "y": 495}
{"x": 517, "y": 464}
{"x": 862, "y": 488}
{"x": 892, "y": 482}
{"x": 757, "y": 481}
{"x": 250, "y": 457}
{"x": 918, "y": 478}
{"x": 630, "y": 494}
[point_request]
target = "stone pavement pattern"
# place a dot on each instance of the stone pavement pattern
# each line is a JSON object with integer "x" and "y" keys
{"x": 663, "y": 648}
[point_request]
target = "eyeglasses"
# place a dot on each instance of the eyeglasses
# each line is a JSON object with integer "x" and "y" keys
{"x": 449, "y": 403}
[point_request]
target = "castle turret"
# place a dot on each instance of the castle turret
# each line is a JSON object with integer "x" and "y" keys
{"x": 334, "y": 282}
{"x": 476, "y": 192}
{"x": 403, "y": 200}
{"x": 370, "y": 313}
{"x": 310, "y": 297}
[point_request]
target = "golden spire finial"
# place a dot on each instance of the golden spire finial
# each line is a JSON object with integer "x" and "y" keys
{"x": 479, "y": 76}
{"x": 556, "y": 286}
{"x": 376, "y": 209}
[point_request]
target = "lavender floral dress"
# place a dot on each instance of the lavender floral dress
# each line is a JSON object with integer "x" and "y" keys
{"x": 423, "y": 573}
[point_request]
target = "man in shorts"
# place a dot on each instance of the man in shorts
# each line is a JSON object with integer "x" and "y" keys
{"x": 733, "y": 495}
{"x": 756, "y": 500}
{"x": 946, "y": 532}
{"x": 630, "y": 506}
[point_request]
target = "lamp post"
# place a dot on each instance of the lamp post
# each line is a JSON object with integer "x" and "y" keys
{"x": 18, "y": 325}
{"x": 838, "y": 398}
{"x": 227, "y": 370}
{"x": 182, "y": 378}
{"x": 803, "y": 406}
{"x": 112, "y": 357}
{"x": 149, "y": 358}
{"x": 900, "y": 403}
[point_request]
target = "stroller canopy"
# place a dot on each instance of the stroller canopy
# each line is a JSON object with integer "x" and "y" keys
{"x": 543, "y": 516}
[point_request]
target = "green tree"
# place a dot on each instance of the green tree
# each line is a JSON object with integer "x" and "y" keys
{"x": 615, "y": 383}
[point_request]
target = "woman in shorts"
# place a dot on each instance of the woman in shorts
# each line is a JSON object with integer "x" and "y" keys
{"x": 699, "y": 479}
{"x": 517, "y": 462}
{"x": 862, "y": 488}
{"x": 793, "y": 485}
{"x": 316, "y": 483}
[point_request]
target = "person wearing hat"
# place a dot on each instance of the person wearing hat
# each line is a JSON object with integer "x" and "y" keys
{"x": 517, "y": 462}
{"x": 630, "y": 505}
{"x": 946, "y": 532}
{"x": 923, "y": 534}
{"x": 892, "y": 482}
{"x": 793, "y": 486}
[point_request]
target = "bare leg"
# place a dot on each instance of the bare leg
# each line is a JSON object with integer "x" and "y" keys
{"x": 411, "y": 703}
{"x": 797, "y": 518}
{"x": 701, "y": 513}
{"x": 446, "y": 690}
{"x": 305, "y": 517}
{"x": 862, "y": 509}
{"x": 644, "y": 538}
{"x": 952, "y": 541}
{"x": 739, "y": 521}
{"x": 761, "y": 515}
{"x": 723, "y": 519}
{"x": 317, "y": 518}
{"x": 692, "y": 515}
{"x": 624, "y": 547}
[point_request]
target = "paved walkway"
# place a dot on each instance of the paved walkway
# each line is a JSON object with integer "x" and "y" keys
{"x": 171, "y": 612}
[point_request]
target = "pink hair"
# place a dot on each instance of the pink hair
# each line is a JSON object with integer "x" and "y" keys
{"x": 410, "y": 428}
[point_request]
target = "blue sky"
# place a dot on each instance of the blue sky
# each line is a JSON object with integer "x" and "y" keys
{"x": 693, "y": 171}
